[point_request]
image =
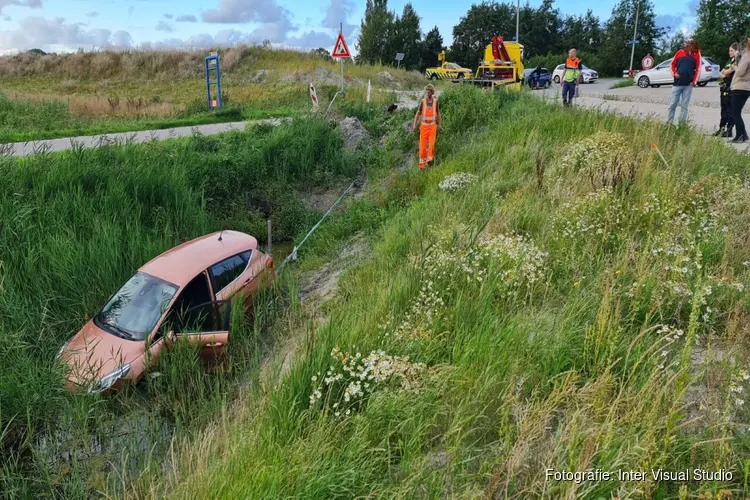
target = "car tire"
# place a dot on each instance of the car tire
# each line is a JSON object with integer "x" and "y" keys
{"x": 433, "y": 77}
{"x": 657, "y": 86}
{"x": 547, "y": 84}
{"x": 702, "y": 84}
{"x": 556, "y": 79}
{"x": 644, "y": 82}
{"x": 461, "y": 77}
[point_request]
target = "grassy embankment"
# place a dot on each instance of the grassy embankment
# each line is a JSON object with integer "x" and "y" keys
{"x": 48, "y": 96}
{"x": 75, "y": 226}
{"x": 612, "y": 334}
{"x": 627, "y": 82}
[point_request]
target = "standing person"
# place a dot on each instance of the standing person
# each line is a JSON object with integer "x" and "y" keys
{"x": 685, "y": 69}
{"x": 571, "y": 77}
{"x": 740, "y": 91}
{"x": 429, "y": 121}
{"x": 727, "y": 120}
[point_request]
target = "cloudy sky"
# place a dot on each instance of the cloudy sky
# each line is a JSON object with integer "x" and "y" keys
{"x": 59, "y": 25}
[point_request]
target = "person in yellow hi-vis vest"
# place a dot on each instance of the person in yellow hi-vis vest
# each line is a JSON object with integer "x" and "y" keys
{"x": 428, "y": 115}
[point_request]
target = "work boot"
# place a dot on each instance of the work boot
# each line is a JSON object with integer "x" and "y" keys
{"x": 720, "y": 133}
{"x": 728, "y": 132}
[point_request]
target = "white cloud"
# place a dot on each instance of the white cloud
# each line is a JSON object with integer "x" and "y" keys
{"x": 311, "y": 40}
{"x": 56, "y": 34}
{"x": 165, "y": 27}
{"x": 34, "y": 4}
{"x": 246, "y": 11}
{"x": 187, "y": 19}
{"x": 338, "y": 11}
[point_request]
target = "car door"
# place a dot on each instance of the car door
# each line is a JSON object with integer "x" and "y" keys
{"x": 197, "y": 318}
{"x": 209, "y": 330}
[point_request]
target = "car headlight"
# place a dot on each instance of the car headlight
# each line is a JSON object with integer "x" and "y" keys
{"x": 108, "y": 380}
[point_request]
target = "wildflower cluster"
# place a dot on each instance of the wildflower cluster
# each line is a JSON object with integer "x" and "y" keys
{"x": 598, "y": 213}
{"x": 512, "y": 261}
{"x": 604, "y": 158}
{"x": 457, "y": 181}
{"x": 668, "y": 335}
{"x": 737, "y": 387}
{"x": 348, "y": 384}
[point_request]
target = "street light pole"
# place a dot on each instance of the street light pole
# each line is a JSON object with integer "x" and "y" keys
{"x": 635, "y": 32}
{"x": 518, "y": 10}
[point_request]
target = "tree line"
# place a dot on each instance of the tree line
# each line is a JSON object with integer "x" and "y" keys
{"x": 546, "y": 34}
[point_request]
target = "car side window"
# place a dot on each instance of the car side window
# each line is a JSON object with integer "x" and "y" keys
{"x": 226, "y": 271}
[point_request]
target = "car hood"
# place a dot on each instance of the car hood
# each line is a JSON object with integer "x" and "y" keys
{"x": 93, "y": 353}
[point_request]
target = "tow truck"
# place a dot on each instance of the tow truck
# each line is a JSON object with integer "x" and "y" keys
{"x": 502, "y": 65}
{"x": 447, "y": 70}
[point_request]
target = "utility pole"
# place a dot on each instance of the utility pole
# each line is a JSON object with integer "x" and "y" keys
{"x": 518, "y": 12}
{"x": 635, "y": 33}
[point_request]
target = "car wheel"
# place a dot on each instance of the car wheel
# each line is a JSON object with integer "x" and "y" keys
{"x": 643, "y": 82}
{"x": 460, "y": 77}
{"x": 702, "y": 84}
{"x": 657, "y": 86}
{"x": 546, "y": 84}
{"x": 557, "y": 79}
{"x": 433, "y": 77}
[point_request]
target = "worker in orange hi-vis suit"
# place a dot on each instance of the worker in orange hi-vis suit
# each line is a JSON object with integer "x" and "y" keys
{"x": 428, "y": 115}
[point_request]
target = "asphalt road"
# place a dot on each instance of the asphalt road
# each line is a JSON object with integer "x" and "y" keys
{"x": 704, "y": 109}
{"x": 55, "y": 145}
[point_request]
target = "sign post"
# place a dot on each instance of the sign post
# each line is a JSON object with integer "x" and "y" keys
{"x": 212, "y": 64}
{"x": 635, "y": 33}
{"x": 399, "y": 58}
{"x": 647, "y": 62}
{"x": 341, "y": 52}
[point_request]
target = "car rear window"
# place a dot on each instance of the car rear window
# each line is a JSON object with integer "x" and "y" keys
{"x": 226, "y": 271}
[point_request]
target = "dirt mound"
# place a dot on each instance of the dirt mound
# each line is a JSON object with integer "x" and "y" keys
{"x": 353, "y": 132}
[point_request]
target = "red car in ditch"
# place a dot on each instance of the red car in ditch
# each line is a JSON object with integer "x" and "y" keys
{"x": 183, "y": 294}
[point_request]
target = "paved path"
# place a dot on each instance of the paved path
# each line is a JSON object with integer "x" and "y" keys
{"x": 652, "y": 103}
{"x": 54, "y": 145}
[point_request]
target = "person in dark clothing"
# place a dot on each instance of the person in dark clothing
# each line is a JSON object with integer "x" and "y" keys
{"x": 534, "y": 77}
{"x": 685, "y": 68}
{"x": 741, "y": 91}
{"x": 727, "y": 120}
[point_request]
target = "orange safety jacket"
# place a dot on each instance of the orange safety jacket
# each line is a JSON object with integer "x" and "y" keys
{"x": 572, "y": 65}
{"x": 429, "y": 113}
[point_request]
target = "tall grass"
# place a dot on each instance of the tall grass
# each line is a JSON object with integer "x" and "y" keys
{"x": 75, "y": 226}
{"x": 615, "y": 344}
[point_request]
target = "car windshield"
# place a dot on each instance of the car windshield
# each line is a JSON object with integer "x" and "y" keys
{"x": 133, "y": 311}
{"x": 452, "y": 65}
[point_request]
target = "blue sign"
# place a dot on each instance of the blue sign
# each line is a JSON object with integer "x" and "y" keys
{"x": 633, "y": 42}
{"x": 212, "y": 64}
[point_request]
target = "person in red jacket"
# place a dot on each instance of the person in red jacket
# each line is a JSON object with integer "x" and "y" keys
{"x": 686, "y": 66}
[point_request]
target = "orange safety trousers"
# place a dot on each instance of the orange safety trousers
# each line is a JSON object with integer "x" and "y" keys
{"x": 427, "y": 136}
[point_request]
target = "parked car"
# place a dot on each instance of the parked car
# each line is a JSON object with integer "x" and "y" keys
{"x": 183, "y": 294}
{"x": 588, "y": 75}
{"x": 544, "y": 78}
{"x": 661, "y": 74}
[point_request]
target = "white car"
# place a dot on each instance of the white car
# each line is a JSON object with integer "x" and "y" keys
{"x": 661, "y": 74}
{"x": 588, "y": 75}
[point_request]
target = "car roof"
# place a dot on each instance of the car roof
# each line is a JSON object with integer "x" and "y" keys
{"x": 184, "y": 262}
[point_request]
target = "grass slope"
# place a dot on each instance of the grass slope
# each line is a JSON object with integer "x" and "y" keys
{"x": 535, "y": 319}
{"x": 47, "y": 96}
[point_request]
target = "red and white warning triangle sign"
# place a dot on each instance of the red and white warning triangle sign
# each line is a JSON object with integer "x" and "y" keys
{"x": 340, "y": 49}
